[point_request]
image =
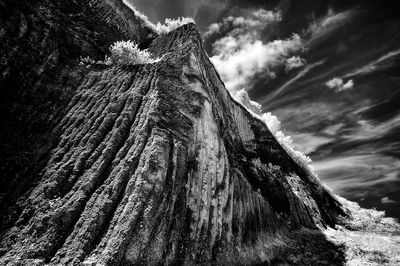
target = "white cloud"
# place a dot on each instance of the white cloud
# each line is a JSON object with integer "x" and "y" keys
{"x": 239, "y": 59}
{"x": 213, "y": 28}
{"x": 294, "y": 62}
{"x": 257, "y": 21}
{"x": 339, "y": 85}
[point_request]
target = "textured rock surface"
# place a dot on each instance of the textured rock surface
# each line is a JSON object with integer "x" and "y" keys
{"x": 149, "y": 163}
{"x": 40, "y": 46}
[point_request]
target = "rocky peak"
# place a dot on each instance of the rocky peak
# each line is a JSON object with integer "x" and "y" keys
{"x": 153, "y": 163}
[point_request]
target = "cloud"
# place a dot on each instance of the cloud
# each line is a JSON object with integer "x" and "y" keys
{"x": 301, "y": 74}
{"x": 319, "y": 28}
{"x": 339, "y": 85}
{"x": 241, "y": 54}
{"x": 257, "y": 21}
{"x": 369, "y": 130}
{"x": 294, "y": 62}
{"x": 239, "y": 59}
{"x": 386, "y": 200}
{"x": 380, "y": 63}
{"x": 360, "y": 174}
{"x": 309, "y": 142}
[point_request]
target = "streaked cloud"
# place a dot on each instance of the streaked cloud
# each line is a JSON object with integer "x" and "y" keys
{"x": 369, "y": 130}
{"x": 376, "y": 64}
{"x": 325, "y": 25}
{"x": 358, "y": 175}
{"x": 301, "y": 74}
{"x": 309, "y": 142}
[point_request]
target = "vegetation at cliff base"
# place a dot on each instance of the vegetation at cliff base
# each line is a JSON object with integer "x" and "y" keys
{"x": 368, "y": 236}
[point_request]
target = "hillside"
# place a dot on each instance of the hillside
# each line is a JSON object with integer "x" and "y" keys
{"x": 144, "y": 164}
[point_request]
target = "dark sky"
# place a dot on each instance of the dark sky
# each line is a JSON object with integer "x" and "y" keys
{"x": 296, "y": 12}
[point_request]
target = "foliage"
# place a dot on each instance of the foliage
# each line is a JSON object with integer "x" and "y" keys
{"x": 274, "y": 125}
{"x": 369, "y": 220}
{"x": 122, "y": 53}
{"x": 128, "y": 53}
{"x": 368, "y": 237}
{"x": 172, "y": 24}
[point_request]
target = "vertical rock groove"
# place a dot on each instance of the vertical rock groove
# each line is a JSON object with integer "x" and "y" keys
{"x": 156, "y": 164}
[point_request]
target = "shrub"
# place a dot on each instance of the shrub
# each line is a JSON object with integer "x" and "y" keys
{"x": 368, "y": 237}
{"x": 122, "y": 53}
{"x": 369, "y": 220}
{"x": 172, "y": 24}
{"x": 274, "y": 125}
{"x": 128, "y": 53}
{"x": 86, "y": 61}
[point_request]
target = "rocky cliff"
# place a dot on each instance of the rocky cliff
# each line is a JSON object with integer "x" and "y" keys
{"x": 141, "y": 164}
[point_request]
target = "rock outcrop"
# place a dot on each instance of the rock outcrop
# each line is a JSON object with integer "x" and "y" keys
{"x": 40, "y": 46}
{"x": 142, "y": 164}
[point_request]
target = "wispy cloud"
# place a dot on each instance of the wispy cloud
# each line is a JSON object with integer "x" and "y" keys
{"x": 320, "y": 28}
{"x": 376, "y": 64}
{"x": 369, "y": 130}
{"x": 358, "y": 175}
{"x": 299, "y": 75}
{"x": 386, "y": 200}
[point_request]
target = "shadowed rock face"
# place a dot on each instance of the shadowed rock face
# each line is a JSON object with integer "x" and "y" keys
{"x": 40, "y": 45}
{"x": 157, "y": 164}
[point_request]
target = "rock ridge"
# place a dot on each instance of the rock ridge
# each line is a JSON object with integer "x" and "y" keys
{"x": 157, "y": 164}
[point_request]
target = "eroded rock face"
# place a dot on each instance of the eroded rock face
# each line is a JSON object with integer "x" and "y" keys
{"x": 41, "y": 43}
{"x": 156, "y": 164}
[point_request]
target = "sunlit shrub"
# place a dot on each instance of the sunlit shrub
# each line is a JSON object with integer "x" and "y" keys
{"x": 122, "y": 53}
{"x": 172, "y": 24}
{"x": 128, "y": 53}
{"x": 274, "y": 125}
{"x": 367, "y": 219}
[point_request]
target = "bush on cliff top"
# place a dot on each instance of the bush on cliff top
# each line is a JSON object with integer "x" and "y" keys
{"x": 123, "y": 53}
{"x": 172, "y": 24}
{"x": 128, "y": 53}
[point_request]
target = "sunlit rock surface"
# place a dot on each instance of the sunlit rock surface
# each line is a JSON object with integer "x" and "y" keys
{"x": 141, "y": 164}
